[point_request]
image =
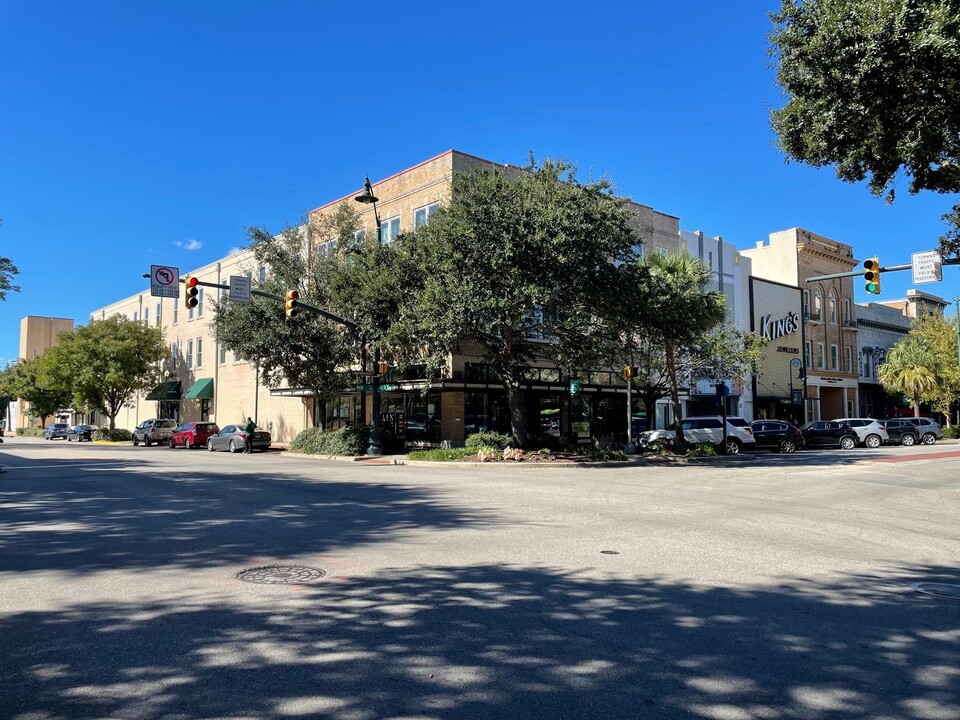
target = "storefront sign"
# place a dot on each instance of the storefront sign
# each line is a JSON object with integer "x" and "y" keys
{"x": 771, "y": 329}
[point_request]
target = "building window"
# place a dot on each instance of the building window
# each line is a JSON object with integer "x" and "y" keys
{"x": 189, "y": 354}
{"x": 846, "y": 311}
{"x": 868, "y": 362}
{"x": 390, "y": 229}
{"x": 819, "y": 356}
{"x": 833, "y": 309}
{"x": 818, "y": 306}
{"x": 157, "y": 321}
{"x": 146, "y": 316}
{"x": 806, "y": 302}
{"x": 199, "y": 352}
{"x": 422, "y": 215}
{"x": 136, "y": 317}
{"x": 849, "y": 366}
{"x": 326, "y": 248}
{"x": 360, "y": 236}
{"x": 808, "y": 354}
{"x": 174, "y": 351}
{"x": 223, "y": 354}
{"x": 834, "y": 358}
{"x": 200, "y": 303}
{"x": 176, "y": 311}
{"x": 262, "y": 274}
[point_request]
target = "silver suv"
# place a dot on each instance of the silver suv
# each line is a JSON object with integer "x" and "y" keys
{"x": 153, "y": 431}
{"x": 708, "y": 428}
{"x": 928, "y": 430}
{"x": 869, "y": 432}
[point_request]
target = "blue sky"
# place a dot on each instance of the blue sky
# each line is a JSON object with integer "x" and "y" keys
{"x": 133, "y": 132}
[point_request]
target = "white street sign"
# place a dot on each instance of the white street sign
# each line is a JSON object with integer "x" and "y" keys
{"x": 927, "y": 267}
{"x": 240, "y": 288}
{"x": 164, "y": 281}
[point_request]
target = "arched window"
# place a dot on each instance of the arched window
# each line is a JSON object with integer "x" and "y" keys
{"x": 818, "y": 305}
{"x": 833, "y": 308}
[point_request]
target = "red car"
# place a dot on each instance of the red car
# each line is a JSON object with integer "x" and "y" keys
{"x": 192, "y": 434}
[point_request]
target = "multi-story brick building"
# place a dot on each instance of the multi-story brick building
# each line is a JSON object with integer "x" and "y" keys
{"x": 37, "y": 335}
{"x": 829, "y": 329}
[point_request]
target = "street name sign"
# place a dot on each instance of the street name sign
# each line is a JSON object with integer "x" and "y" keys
{"x": 927, "y": 267}
{"x": 240, "y": 288}
{"x": 164, "y": 281}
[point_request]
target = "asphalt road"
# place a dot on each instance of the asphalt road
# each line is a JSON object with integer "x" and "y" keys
{"x": 764, "y": 586}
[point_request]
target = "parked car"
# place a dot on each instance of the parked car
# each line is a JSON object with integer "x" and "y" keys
{"x": 56, "y": 430}
{"x": 81, "y": 433}
{"x": 192, "y": 434}
{"x": 870, "y": 432}
{"x": 233, "y": 438}
{"x": 708, "y": 428}
{"x": 153, "y": 431}
{"x": 901, "y": 432}
{"x": 929, "y": 430}
{"x": 777, "y": 435}
{"x": 829, "y": 433}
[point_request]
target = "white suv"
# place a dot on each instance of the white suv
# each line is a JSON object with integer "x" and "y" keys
{"x": 870, "y": 432}
{"x": 707, "y": 428}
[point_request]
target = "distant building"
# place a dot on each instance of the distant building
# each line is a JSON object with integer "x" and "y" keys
{"x": 916, "y": 304}
{"x": 37, "y": 335}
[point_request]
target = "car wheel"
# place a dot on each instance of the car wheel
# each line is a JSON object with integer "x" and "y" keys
{"x": 788, "y": 446}
{"x": 908, "y": 440}
{"x": 929, "y": 439}
{"x": 68, "y": 439}
{"x": 733, "y": 446}
{"x": 873, "y": 441}
{"x": 847, "y": 443}
{"x": 233, "y": 447}
{"x": 170, "y": 444}
{"x": 146, "y": 441}
{"x": 210, "y": 445}
{"x": 135, "y": 441}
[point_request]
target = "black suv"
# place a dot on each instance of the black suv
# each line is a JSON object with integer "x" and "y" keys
{"x": 829, "y": 433}
{"x": 154, "y": 431}
{"x": 929, "y": 430}
{"x": 777, "y": 435}
{"x": 901, "y": 432}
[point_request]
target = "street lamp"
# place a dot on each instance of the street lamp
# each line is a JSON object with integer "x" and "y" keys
{"x": 376, "y": 447}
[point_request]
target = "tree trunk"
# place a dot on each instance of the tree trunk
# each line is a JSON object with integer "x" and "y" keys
{"x": 674, "y": 391}
{"x": 518, "y": 414}
{"x": 916, "y": 406}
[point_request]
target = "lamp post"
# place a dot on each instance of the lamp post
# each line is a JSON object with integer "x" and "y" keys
{"x": 376, "y": 447}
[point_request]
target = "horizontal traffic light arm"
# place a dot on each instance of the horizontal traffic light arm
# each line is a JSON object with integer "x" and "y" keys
{"x": 859, "y": 272}
{"x": 282, "y": 299}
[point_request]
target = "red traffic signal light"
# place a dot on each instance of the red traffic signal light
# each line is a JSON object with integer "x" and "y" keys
{"x": 292, "y": 304}
{"x": 872, "y": 275}
{"x": 190, "y": 299}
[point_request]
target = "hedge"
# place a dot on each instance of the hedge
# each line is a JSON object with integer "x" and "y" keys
{"x": 115, "y": 435}
{"x": 351, "y": 440}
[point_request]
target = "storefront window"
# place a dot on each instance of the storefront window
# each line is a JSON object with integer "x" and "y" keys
{"x": 485, "y": 411}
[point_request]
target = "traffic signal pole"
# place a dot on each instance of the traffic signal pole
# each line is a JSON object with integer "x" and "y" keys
{"x": 889, "y": 268}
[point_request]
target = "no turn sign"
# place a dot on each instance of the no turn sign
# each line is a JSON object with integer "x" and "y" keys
{"x": 164, "y": 281}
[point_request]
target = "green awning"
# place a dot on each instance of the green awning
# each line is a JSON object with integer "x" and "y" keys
{"x": 200, "y": 390}
{"x": 169, "y": 390}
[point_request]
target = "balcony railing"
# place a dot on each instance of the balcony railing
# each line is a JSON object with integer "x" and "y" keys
{"x": 810, "y": 315}
{"x": 850, "y": 324}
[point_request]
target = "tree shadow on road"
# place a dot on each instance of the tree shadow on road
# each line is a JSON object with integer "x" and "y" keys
{"x": 497, "y": 642}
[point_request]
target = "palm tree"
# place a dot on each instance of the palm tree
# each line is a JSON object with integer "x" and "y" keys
{"x": 680, "y": 309}
{"x": 909, "y": 370}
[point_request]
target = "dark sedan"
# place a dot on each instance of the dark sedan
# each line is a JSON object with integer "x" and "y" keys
{"x": 56, "y": 430}
{"x": 233, "y": 438}
{"x": 81, "y": 433}
{"x": 829, "y": 433}
{"x": 777, "y": 435}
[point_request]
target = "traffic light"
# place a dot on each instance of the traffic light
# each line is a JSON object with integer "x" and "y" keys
{"x": 382, "y": 368}
{"x": 629, "y": 372}
{"x": 292, "y": 305}
{"x": 872, "y": 275}
{"x": 190, "y": 299}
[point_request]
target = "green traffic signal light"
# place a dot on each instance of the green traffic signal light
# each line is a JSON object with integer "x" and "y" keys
{"x": 872, "y": 275}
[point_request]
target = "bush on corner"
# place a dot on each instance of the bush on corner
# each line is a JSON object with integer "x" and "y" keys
{"x": 486, "y": 438}
{"x": 30, "y": 432}
{"x": 952, "y": 432}
{"x": 441, "y": 454}
{"x": 351, "y": 440}
{"x": 115, "y": 435}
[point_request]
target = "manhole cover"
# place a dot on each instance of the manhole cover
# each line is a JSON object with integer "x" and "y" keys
{"x": 281, "y": 575}
{"x": 944, "y": 590}
{"x": 609, "y": 552}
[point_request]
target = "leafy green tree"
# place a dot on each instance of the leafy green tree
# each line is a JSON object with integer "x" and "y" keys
{"x": 871, "y": 88}
{"x": 105, "y": 363}
{"x": 7, "y": 272}
{"x": 940, "y": 335}
{"x": 309, "y": 351}
{"x": 519, "y": 256}
{"x": 28, "y": 381}
{"x": 681, "y": 314}
{"x": 909, "y": 370}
